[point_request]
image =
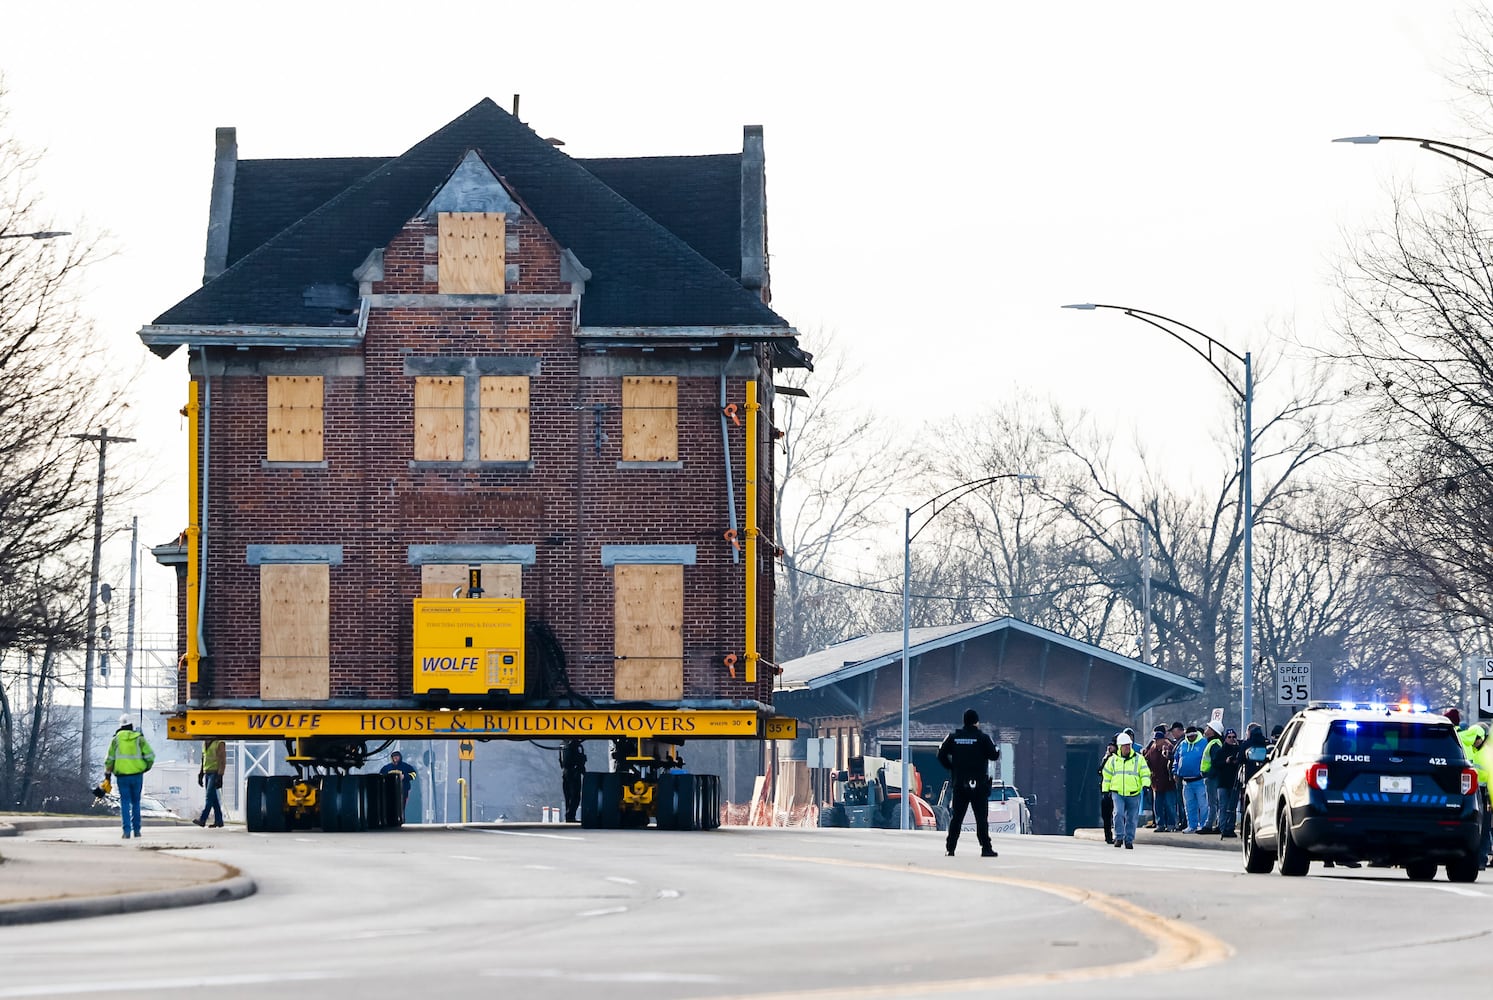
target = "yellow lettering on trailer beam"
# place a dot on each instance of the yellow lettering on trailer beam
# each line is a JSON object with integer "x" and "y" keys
{"x": 585, "y": 724}
{"x": 781, "y": 728}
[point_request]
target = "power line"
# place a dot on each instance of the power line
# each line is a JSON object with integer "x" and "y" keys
{"x": 870, "y": 589}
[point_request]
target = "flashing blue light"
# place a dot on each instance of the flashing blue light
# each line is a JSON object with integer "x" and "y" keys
{"x": 1418, "y": 708}
{"x": 1351, "y": 726}
{"x": 1377, "y": 707}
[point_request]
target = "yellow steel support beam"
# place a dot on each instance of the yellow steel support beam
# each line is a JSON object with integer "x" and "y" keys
{"x": 421, "y": 724}
{"x": 752, "y": 655}
{"x": 194, "y": 534}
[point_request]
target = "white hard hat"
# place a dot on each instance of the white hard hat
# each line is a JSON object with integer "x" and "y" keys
{"x": 1123, "y": 740}
{"x": 124, "y": 720}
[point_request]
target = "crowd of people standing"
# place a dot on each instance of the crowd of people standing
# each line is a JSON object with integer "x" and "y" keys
{"x": 1189, "y": 776}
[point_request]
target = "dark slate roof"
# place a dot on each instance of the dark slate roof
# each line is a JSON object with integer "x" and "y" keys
{"x": 269, "y": 195}
{"x": 642, "y": 274}
{"x": 697, "y": 198}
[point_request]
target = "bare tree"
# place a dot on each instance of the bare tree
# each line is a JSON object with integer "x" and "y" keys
{"x": 1416, "y": 331}
{"x": 839, "y": 465}
{"x": 53, "y": 384}
{"x": 1196, "y": 538}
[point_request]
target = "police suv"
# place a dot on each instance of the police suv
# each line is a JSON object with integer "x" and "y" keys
{"x": 1369, "y": 783}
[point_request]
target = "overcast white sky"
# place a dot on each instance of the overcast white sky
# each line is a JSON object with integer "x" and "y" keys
{"x": 941, "y": 177}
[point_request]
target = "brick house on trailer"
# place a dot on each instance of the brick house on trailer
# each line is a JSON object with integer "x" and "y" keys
{"x": 482, "y": 352}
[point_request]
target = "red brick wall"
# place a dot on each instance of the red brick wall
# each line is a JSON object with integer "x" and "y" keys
{"x": 574, "y": 500}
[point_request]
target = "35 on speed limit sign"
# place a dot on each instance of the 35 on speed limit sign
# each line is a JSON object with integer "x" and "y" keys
{"x": 1293, "y": 683}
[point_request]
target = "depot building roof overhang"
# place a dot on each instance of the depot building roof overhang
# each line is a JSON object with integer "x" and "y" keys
{"x": 862, "y": 676}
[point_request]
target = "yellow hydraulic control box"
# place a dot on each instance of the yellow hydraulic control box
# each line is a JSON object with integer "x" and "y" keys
{"x": 469, "y": 646}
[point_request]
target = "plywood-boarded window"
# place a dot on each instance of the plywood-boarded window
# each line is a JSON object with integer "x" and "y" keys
{"x": 440, "y": 404}
{"x": 294, "y": 661}
{"x": 504, "y": 418}
{"x": 293, "y": 418}
{"x": 472, "y": 246}
{"x": 650, "y": 418}
{"x": 442, "y": 581}
{"x": 648, "y": 621}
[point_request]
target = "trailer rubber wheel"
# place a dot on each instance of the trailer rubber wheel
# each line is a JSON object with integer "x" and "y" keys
{"x": 330, "y": 803}
{"x": 710, "y": 802}
{"x": 591, "y": 799}
{"x": 254, "y": 803}
{"x": 687, "y": 802}
{"x": 393, "y": 799}
{"x": 665, "y": 815}
{"x": 276, "y": 815}
{"x": 364, "y": 800}
{"x": 611, "y": 801}
{"x": 378, "y": 809}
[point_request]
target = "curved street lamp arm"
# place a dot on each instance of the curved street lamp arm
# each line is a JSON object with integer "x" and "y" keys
{"x": 1433, "y": 145}
{"x": 960, "y": 492}
{"x": 1146, "y": 316}
{"x": 1205, "y": 355}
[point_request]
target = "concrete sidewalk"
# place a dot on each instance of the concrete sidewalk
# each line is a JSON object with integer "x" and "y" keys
{"x": 51, "y": 872}
{"x": 1204, "y": 841}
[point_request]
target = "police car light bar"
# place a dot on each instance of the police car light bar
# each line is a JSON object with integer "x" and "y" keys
{"x": 1376, "y": 706}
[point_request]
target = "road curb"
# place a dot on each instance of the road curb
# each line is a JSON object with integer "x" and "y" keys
{"x": 1150, "y": 838}
{"x": 235, "y": 886}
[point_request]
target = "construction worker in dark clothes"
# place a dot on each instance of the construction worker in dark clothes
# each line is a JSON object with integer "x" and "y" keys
{"x": 572, "y": 770}
{"x": 406, "y": 773}
{"x": 966, "y": 753}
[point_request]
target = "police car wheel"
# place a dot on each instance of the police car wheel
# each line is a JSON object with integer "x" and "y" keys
{"x": 1463, "y": 870}
{"x": 1294, "y": 862}
{"x": 1421, "y": 871}
{"x": 1257, "y": 861}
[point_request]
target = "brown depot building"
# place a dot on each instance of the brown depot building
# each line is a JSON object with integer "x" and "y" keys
{"x": 1051, "y": 701}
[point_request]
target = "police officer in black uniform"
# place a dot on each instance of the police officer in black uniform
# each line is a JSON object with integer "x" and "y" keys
{"x": 572, "y": 769}
{"x": 966, "y": 754}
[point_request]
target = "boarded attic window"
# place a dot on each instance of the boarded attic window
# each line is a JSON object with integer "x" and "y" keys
{"x": 472, "y": 246}
{"x": 504, "y": 421}
{"x": 650, "y": 418}
{"x": 293, "y": 419}
{"x": 439, "y": 408}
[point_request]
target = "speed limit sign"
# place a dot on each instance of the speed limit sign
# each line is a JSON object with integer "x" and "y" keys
{"x": 1293, "y": 684}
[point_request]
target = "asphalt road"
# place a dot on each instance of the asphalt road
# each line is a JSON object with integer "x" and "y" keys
{"x": 560, "y": 912}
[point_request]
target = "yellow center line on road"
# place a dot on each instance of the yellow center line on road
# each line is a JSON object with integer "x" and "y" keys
{"x": 1178, "y": 946}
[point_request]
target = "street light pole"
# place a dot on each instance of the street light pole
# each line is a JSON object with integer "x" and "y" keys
{"x": 960, "y": 491}
{"x": 1246, "y": 394}
{"x": 1436, "y": 146}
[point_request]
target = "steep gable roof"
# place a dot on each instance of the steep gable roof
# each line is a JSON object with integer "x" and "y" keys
{"x": 642, "y": 274}
{"x": 269, "y": 195}
{"x": 697, "y": 198}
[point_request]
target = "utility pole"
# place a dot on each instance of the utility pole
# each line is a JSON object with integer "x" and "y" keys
{"x": 1145, "y": 595}
{"x": 129, "y": 628}
{"x": 101, "y": 439}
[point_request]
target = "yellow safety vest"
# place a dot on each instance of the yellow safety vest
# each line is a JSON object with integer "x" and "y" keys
{"x": 1126, "y": 775}
{"x": 129, "y": 753}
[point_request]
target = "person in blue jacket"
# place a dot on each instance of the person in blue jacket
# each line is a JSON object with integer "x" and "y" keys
{"x": 1187, "y": 764}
